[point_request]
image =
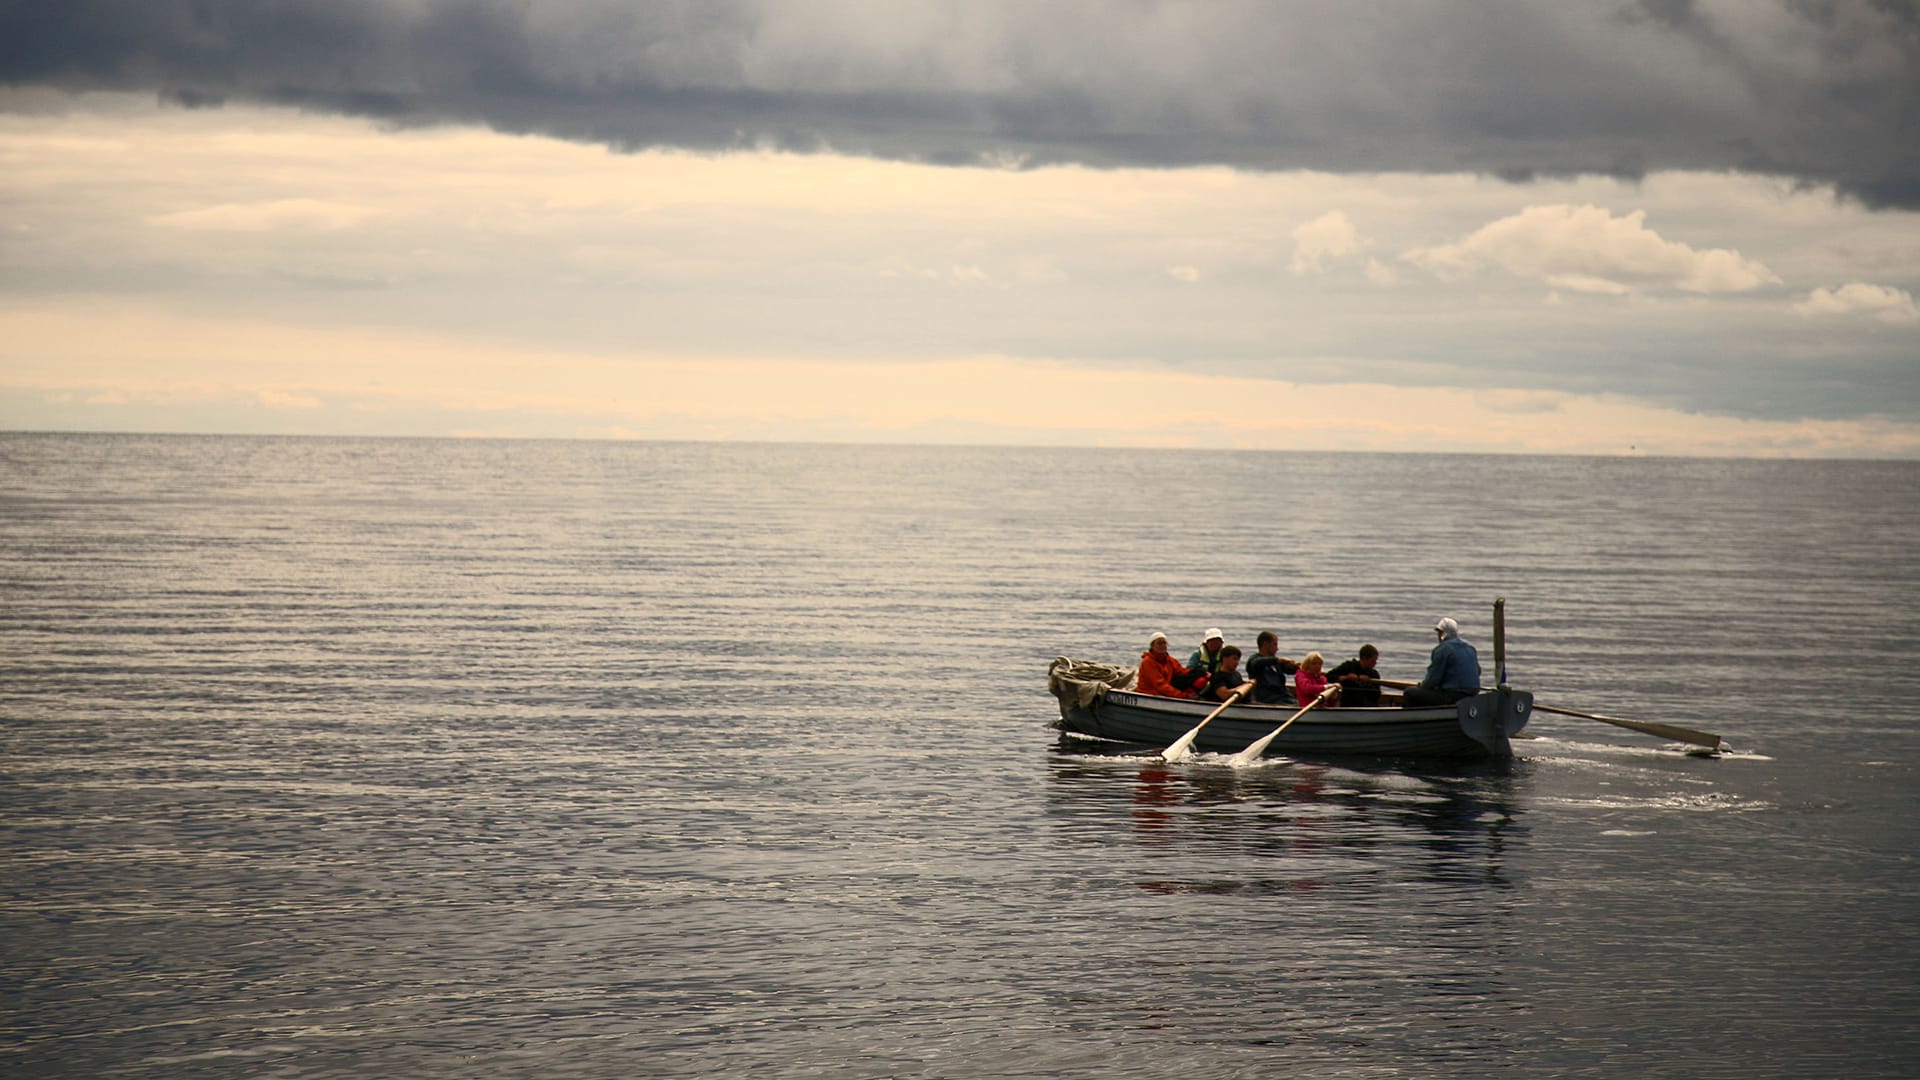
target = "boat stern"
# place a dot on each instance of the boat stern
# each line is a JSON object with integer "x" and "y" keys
{"x": 1492, "y": 718}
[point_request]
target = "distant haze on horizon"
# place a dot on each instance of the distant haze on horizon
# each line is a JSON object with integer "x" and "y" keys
{"x": 1670, "y": 227}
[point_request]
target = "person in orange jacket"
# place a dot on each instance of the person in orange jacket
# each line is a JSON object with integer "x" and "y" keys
{"x": 1162, "y": 675}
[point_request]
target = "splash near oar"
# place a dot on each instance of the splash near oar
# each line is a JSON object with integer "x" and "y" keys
{"x": 1252, "y": 753}
{"x": 1185, "y": 742}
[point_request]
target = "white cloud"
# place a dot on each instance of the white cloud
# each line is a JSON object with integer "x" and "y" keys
{"x": 1587, "y": 283}
{"x": 1858, "y": 297}
{"x": 532, "y": 245}
{"x": 1587, "y": 249}
{"x": 1329, "y": 236}
{"x": 276, "y": 215}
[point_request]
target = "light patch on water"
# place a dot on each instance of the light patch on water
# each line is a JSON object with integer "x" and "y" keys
{"x": 1382, "y": 781}
{"x": 1626, "y": 750}
{"x": 1707, "y": 802}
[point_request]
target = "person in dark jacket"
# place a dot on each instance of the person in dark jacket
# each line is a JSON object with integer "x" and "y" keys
{"x": 1228, "y": 679}
{"x": 1358, "y": 678}
{"x": 1269, "y": 671}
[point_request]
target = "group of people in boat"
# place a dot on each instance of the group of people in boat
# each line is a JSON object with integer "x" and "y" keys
{"x": 1213, "y": 672}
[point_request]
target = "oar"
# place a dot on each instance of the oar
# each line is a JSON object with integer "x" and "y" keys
{"x": 1665, "y": 731}
{"x": 1180, "y": 746}
{"x": 1252, "y": 753}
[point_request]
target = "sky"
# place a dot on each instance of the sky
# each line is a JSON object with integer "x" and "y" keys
{"x": 1682, "y": 227}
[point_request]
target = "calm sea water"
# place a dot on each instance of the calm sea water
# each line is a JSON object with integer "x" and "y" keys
{"x": 430, "y": 758}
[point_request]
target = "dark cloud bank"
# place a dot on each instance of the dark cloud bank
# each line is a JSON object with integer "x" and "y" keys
{"x": 1819, "y": 92}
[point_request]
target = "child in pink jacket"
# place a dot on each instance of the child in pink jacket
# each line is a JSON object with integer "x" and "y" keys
{"x": 1309, "y": 680}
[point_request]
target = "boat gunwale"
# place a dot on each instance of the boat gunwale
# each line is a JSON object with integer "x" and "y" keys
{"x": 1370, "y": 730}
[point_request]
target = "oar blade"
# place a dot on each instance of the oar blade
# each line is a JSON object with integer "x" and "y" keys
{"x": 1252, "y": 753}
{"x": 1185, "y": 742}
{"x": 1668, "y": 731}
{"x": 1180, "y": 746}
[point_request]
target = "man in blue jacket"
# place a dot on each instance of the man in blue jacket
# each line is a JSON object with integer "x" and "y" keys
{"x": 1453, "y": 672}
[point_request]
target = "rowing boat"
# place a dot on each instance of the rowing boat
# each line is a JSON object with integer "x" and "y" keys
{"x": 1094, "y": 702}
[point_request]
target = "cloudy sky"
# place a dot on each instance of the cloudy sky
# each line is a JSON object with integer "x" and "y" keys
{"x": 1665, "y": 226}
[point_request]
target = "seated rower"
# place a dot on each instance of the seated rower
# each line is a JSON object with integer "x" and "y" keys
{"x": 1228, "y": 679}
{"x": 1359, "y": 678}
{"x": 1269, "y": 671}
{"x": 1453, "y": 671}
{"x": 1162, "y": 675}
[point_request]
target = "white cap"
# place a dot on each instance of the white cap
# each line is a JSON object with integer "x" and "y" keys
{"x": 1157, "y": 636}
{"x": 1214, "y": 632}
{"x": 1447, "y": 627}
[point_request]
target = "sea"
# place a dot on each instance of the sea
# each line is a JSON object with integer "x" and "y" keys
{"x": 337, "y": 757}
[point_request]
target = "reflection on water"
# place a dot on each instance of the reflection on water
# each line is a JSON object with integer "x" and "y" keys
{"x": 1376, "y": 901}
{"x": 1314, "y": 820}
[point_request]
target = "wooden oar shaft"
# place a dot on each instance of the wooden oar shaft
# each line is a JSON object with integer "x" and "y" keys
{"x": 1179, "y": 748}
{"x": 1252, "y": 753}
{"x": 1665, "y": 731}
{"x": 1241, "y": 691}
